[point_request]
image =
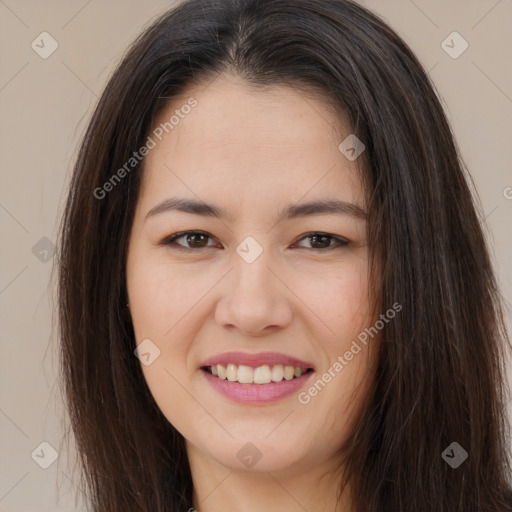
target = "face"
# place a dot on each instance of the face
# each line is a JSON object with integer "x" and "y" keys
{"x": 246, "y": 289}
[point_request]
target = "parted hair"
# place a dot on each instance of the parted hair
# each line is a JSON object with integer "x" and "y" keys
{"x": 440, "y": 376}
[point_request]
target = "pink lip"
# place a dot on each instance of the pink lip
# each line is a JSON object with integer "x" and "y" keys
{"x": 255, "y": 360}
{"x": 254, "y": 394}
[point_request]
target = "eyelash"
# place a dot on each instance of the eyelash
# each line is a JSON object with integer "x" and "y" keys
{"x": 170, "y": 241}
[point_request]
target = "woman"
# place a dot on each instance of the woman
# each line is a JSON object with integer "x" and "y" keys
{"x": 274, "y": 289}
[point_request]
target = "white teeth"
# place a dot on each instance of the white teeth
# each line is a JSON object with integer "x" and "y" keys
{"x": 289, "y": 372}
{"x": 277, "y": 373}
{"x": 231, "y": 372}
{"x": 260, "y": 375}
{"x": 221, "y": 371}
{"x": 245, "y": 374}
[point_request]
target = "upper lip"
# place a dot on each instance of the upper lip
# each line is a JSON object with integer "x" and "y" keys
{"x": 255, "y": 360}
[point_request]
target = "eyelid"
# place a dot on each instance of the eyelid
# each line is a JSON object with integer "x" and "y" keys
{"x": 341, "y": 242}
{"x": 170, "y": 240}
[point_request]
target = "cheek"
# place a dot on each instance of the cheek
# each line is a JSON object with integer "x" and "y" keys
{"x": 342, "y": 302}
{"x": 161, "y": 304}
{"x": 161, "y": 294}
{"x": 339, "y": 298}
{"x": 166, "y": 307}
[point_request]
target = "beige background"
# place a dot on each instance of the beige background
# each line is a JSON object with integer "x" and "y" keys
{"x": 45, "y": 105}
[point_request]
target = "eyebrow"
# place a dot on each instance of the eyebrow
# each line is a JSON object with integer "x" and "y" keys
{"x": 319, "y": 207}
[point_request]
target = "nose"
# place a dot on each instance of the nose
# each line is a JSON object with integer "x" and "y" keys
{"x": 255, "y": 300}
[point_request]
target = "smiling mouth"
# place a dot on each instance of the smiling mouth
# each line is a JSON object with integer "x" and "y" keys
{"x": 265, "y": 374}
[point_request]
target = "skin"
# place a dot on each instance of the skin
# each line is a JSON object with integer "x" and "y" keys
{"x": 253, "y": 151}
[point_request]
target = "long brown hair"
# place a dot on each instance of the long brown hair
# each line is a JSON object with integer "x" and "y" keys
{"x": 441, "y": 367}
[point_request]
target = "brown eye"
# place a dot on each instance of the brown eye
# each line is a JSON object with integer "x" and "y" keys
{"x": 322, "y": 241}
{"x": 193, "y": 239}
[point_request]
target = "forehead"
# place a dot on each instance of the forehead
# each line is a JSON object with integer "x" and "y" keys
{"x": 240, "y": 140}
{"x": 230, "y": 109}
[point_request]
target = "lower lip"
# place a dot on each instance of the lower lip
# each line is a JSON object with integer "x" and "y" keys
{"x": 256, "y": 393}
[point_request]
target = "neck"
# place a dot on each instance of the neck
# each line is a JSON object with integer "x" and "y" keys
{"x": 218, "y": 488}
